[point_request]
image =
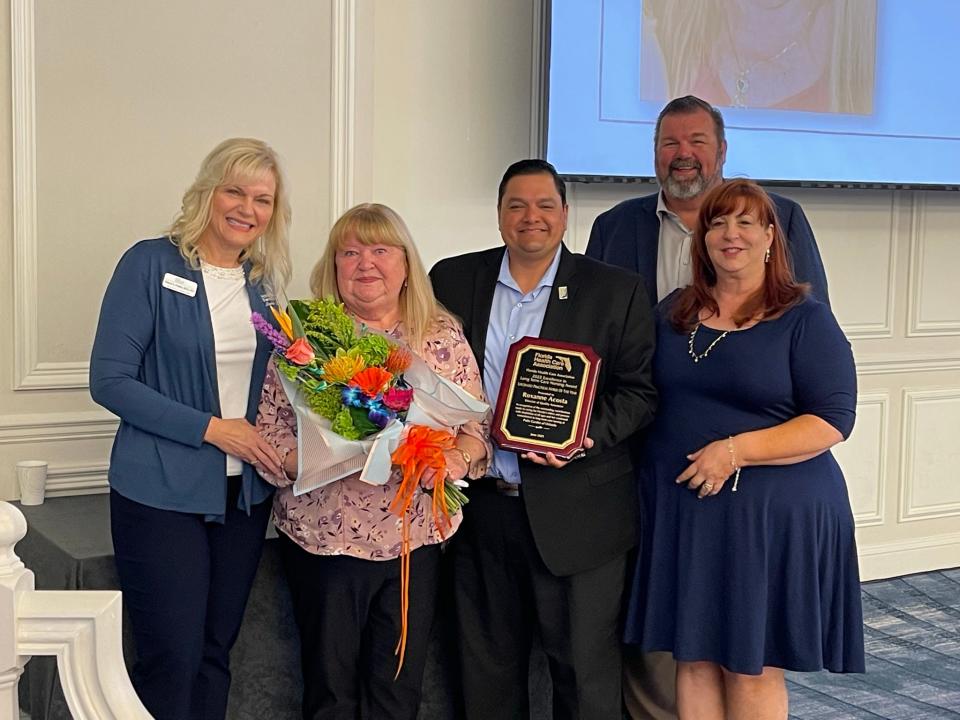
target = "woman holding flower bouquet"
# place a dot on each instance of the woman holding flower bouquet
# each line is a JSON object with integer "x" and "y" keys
{"x": 362, "y": 565}
{"x": 176, "y": 358}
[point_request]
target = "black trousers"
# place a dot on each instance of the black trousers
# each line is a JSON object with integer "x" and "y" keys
{"x": 504, "y": 594}
{"x": 185, "y": 584}
{"x": 348, "y": 613}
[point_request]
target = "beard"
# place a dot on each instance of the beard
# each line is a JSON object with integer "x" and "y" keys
{"x": 688, "y": 189}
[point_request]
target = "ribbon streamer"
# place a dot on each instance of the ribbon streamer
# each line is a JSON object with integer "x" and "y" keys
{"x": 421, "y": 449}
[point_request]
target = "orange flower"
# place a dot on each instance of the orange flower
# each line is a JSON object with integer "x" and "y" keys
{"x": 372, "y": 380}
{"x": 300, "y": 352}
{"x": 342, "y": 367}
{"x": 398, "y": 360}
{"x": 283, "y": 320}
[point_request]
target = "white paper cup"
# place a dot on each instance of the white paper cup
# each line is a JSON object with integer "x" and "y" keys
{"x": 32, "y": 476}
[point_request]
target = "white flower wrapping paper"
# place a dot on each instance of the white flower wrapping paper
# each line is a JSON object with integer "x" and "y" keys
{"x": 325, "y": 457}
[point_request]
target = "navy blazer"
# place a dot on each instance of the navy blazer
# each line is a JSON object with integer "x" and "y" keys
{"x": 628, "y": 235}
{"x": 584, "y": 514}
{"x": 154, "y": 364}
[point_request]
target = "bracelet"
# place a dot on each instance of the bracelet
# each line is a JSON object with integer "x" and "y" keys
{"x": 735, "y": 468}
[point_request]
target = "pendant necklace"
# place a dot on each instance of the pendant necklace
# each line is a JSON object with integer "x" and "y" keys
{"x": 742, "y": 80}
{"x": 693, "y": 334}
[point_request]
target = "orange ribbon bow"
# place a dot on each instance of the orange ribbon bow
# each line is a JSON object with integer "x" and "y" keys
{"x": 422, "y": 448}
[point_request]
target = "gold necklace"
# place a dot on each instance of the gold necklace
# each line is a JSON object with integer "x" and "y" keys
{"x": 693, "y": 334}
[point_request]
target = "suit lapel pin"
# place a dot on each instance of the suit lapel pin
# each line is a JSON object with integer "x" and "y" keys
{"x": 562, "y": 292}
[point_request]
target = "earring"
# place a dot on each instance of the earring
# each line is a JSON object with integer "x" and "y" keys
{"x": 766, "y": 257}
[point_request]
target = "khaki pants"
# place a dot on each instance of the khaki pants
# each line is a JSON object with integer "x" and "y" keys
{"x": 649, "y": 684}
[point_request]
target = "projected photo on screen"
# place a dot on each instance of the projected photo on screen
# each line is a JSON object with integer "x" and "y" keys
{"x": 859, "y": 92}
{"x": 810, "y": 55}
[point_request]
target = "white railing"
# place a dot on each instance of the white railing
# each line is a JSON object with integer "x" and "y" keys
{"x": 81, "y": 627}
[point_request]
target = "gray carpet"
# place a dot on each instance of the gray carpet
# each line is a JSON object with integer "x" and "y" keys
{"x": 912, "y": 633}
{"x": 912, "y": 638}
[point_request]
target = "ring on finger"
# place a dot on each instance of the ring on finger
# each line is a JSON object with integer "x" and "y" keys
{"x": 708, "y": 487}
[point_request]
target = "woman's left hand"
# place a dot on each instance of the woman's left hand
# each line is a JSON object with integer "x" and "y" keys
{"x": 456, "y": 469}
{"x": 709, "y": 469}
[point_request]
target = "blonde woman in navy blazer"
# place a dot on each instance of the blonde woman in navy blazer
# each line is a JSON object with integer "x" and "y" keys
{"x": 176, "y": 358}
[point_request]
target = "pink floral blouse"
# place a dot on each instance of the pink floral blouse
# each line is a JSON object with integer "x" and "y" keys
{"x": 350, "y": 517}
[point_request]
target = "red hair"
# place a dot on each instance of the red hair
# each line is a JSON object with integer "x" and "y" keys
{"x": 779, "y": 291}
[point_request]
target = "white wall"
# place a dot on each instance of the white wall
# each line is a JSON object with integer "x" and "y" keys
{"x": 420, "y": 104}
{"x": 108, "y": 109}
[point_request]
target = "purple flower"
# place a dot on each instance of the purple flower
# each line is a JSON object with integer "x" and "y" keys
{"x": 262, "y": 326}
{"x": 380, "y": 416}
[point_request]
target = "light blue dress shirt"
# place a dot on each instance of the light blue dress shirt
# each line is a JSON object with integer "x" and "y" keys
{"x": 513, "y": 315}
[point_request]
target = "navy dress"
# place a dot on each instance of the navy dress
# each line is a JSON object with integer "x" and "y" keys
{"x": 766, "y": 575}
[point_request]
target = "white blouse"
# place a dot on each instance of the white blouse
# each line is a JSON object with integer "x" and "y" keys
{"x": 235, "y": 342}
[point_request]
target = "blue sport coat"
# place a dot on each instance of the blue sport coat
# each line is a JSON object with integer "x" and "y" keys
{"x": 154, "y": 364}
{"x": 628, "y": 235}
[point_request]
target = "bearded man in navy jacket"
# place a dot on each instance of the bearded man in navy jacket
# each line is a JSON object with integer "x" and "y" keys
{"x": 651, "y": 235}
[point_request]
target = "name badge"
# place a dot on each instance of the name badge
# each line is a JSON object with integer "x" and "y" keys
{"x": 179, "y": 284}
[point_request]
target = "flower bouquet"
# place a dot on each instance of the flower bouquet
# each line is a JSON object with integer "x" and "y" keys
{"x": 363, "y": 403}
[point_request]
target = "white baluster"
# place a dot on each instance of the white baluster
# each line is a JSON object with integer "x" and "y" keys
{"x": 14, "y": 580}
{"x": 82, "y": 628}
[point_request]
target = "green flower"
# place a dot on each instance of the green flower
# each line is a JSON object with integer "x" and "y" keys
{"x": 373, "y": 349}
{"x": 288, "y": 369}
{"x": 325, "y": 318}
{"x": 343, "y": 425}
{"x": 326, "y": 402}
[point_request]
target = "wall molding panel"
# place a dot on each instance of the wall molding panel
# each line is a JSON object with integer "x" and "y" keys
{"x": 343, "y": 105}
{"x": 77, "y": 479}
{"x": 875, "y": 451}
{"x": 907, "y": 363}
{"x": 538, "y": 93}
{"x": 916, "y": 324}
{"x": 30, "y": 373}
{"x": 929, "y": 450}
{"x": 883, "y": 328}
{"x": 902, "y": 557}
{"x": 57, "y": 427}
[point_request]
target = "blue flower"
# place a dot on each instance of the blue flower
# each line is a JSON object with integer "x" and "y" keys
{"x": 354, "y": 397}
{"x": 380, "y": 416}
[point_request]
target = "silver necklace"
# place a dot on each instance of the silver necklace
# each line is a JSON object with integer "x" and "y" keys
{"x": 693, "y": 334}
{"x": 742, "y": 80}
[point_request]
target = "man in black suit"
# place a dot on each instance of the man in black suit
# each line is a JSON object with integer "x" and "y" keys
{"x": 544, "y": 543}
{"x": 651, "y": 235}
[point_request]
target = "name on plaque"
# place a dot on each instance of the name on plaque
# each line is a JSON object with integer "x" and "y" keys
{"x": 546, "y": 397}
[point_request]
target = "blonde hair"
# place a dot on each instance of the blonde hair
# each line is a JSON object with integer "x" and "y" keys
{"x": 375, "y": 224}
{"x": 855, "y": 48}
{"x": 231, "y": 160}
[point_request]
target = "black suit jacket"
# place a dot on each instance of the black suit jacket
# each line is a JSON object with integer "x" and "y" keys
{"x": 584, "y": 514}
{"x": 628, "y": 236}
